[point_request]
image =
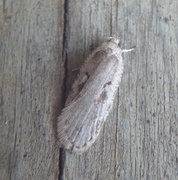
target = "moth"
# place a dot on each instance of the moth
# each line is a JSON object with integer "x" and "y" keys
{"x": 91, "y": 98}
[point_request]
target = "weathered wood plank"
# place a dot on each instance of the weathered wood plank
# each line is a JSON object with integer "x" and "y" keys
{"x": 31, "y": 38}
{"x": 140, "y": 139}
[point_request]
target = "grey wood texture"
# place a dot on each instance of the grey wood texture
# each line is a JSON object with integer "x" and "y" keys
{"x": 31, "y": 36}
{"x": 42, "y": 42}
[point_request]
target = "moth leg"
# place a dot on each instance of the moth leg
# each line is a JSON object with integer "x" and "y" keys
{"x": 77, "y": 87}
{"x": 83, "y": 81}
{"x": 127, "y": 50}
{"x": 76, "y": 69}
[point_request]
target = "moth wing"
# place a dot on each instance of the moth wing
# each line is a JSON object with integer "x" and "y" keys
{"x": 86, "y": 72}
{"x": 82, "y": 119}
{"x": 75, "y": 135}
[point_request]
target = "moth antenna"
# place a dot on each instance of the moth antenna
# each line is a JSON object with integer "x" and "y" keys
{"x": 127, "y": 50}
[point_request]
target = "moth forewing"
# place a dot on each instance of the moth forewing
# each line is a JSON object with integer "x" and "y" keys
{"x": 91, "y": 98}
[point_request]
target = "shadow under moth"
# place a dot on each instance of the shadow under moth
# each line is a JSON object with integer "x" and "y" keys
{"x": 91, "y": 98}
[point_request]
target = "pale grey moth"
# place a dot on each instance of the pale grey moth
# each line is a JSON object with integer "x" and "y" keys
{"x": 91, "y": 98}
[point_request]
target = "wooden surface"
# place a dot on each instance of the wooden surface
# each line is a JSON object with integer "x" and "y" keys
{"x": 31, "y": 81}
{"x": 42, "y": 42}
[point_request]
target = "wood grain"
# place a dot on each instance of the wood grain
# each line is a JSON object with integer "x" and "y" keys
{"x": 42, "y": 42}
{"x": 140, "y": 139}
{"x": 32, "y": 68}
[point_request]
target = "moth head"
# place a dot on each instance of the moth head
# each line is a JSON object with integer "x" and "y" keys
{"x": 114, "y": 39}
